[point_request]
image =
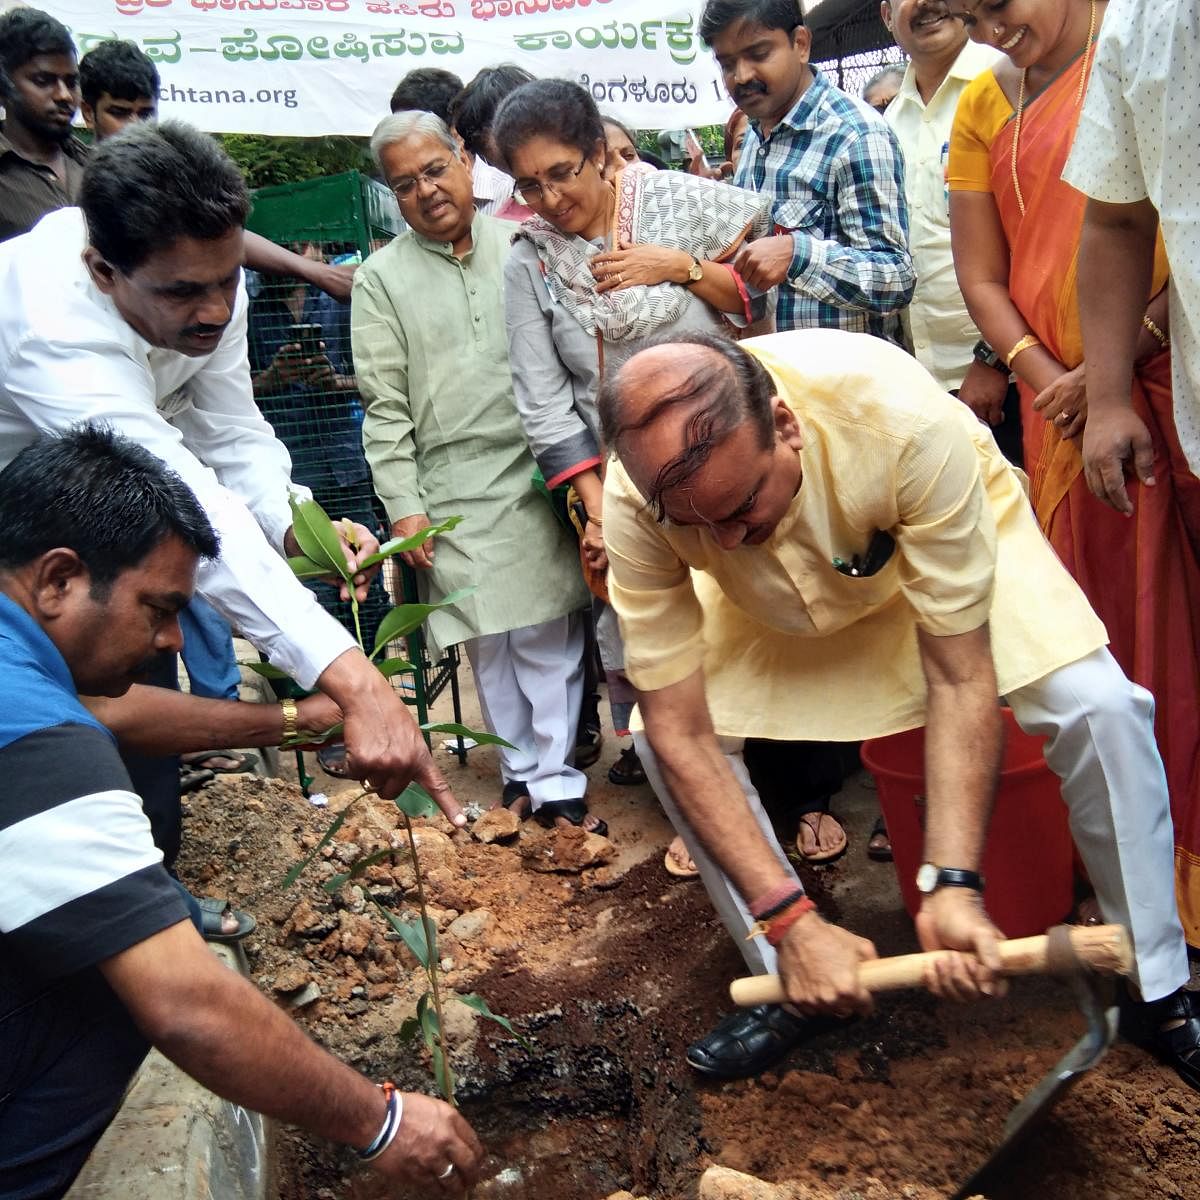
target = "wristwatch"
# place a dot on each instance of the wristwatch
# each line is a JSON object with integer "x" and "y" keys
{"x": 930, "y": 877}
{"x": 983, "y": 353}
{"x": 695, "y": 271}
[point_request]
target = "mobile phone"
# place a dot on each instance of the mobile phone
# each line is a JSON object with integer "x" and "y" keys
{"x": 308, "y": 337}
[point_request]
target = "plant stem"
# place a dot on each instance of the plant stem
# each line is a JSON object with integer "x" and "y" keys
{"x": 432, "y": 970}
{"x": 357, "y": 625}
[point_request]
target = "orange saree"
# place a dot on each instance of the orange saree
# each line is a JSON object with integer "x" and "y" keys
{"x": 1141, "y": 574}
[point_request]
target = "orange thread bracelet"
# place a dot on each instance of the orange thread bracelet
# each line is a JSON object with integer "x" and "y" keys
{"x": 781, "y": 924}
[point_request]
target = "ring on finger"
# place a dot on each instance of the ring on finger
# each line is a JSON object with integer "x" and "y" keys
{"x": 447, "y": 1172}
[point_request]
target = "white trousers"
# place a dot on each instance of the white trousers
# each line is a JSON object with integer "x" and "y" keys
{"x": 530, "y": 687}
{"x": 1101, "y": 745}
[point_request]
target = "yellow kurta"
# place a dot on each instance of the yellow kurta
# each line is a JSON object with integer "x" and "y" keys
{"x": 791, "y": 647}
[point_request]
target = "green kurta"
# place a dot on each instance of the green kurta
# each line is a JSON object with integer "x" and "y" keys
{"x": 443, "y": 437}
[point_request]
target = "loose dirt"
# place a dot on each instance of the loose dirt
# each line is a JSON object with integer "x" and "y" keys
{"x": 610, "y": 968}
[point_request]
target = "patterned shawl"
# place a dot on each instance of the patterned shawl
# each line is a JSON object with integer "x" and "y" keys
{"x": 703, "y": 217}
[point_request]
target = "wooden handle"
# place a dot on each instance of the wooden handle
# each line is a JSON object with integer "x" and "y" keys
{"x": 1103, "y": 948}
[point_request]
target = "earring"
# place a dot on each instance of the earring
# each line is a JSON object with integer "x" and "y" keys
{"x": 995, "y": 31}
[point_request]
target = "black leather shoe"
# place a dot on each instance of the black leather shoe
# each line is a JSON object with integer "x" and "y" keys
{"x": 750, "y": 1040}
{"x": 1171, "y": 1029}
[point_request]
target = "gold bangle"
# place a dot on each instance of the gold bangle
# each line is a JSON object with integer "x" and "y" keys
{"x": 291, "y": 719}
{"x": 594, "y": 520}
{"x": 1158, "y": 335}
{"x": 1024, "y": 344}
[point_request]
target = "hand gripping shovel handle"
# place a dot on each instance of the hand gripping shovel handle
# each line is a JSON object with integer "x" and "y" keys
{"x": 1103, "y": 948}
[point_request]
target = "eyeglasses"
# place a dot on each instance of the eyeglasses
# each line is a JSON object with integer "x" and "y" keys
{"x": 407, "y": 185}
{"x": 557, "y": 178}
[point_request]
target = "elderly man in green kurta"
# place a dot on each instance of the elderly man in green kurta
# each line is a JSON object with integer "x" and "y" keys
{"x": 443, "y": 437}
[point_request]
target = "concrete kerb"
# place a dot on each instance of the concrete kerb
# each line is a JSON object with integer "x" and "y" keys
{"x": 174, "y": 1140}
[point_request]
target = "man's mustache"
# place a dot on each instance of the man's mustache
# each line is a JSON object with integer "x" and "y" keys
{"x": 750, "y": 89}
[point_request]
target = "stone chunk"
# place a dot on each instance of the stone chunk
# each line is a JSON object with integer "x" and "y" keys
{"x": 566, "y": 850}
{"x": 472, "y": 924}
{"x": 720, "y": 1183}
{"x": 290, "y": 979}
{"x": 496, "y": 825}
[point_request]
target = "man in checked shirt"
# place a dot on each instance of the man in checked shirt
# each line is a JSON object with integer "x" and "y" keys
{"x": 833, "y": 167}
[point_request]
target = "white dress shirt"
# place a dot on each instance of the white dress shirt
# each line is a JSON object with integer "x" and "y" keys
{"x": 1136, "y": 141}
{"x": 939, "y": 327}
{"x": 491, "y": 187}
{"x": 67, "y": 356}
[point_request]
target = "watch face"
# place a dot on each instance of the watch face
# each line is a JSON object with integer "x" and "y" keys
{"x": 927, "y": 878}
{"x": 695, "y": 272}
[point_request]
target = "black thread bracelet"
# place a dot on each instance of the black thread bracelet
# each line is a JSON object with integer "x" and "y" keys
{"x": 784, "y": 904}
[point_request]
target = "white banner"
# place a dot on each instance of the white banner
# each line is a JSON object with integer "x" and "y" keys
{"x": 309, "y": 67}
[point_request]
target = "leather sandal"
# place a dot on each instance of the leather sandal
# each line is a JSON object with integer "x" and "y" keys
{"x": 751, "y": 1040}
{"x": 574, "y": 811}
{"x": 1177, "y": 1046}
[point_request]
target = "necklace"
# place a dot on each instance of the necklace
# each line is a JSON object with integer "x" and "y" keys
{"x": 1083, "y": 74}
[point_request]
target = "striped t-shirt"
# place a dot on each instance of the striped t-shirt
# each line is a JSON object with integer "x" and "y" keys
{"x": 80, "y": 877}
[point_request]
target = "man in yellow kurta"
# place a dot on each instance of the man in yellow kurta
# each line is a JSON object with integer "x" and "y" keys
{"x": 808, "y": 538}
{"x": 443, "y": 437}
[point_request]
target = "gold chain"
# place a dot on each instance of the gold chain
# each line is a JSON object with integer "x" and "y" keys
{"x": 1083, "y": 74}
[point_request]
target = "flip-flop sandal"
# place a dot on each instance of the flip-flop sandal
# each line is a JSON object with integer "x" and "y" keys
{"x": 191, "y": 779}
{"x": 879, "y": 852}
{"x": 333, "y": 760}
{"x": 820, "y": 856}
{"x": 672, "y": 864}
{"x": 202, "y": 761}
{"x": 212, "y": 914}
{"x": 627, "y": 771}
{"x": 514, "y": 792}
{"x": 574, "y": 811}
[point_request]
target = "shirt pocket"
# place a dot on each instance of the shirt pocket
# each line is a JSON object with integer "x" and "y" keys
{"x": 807, "y": 213}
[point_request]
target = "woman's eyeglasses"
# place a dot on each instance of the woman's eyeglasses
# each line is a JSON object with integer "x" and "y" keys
{"x": 532, "y": 192}
{"x": 405, "y": 186}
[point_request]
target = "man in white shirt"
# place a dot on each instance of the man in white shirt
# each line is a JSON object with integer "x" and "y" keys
{"x": 106, "y": 312}
{"x": 943, "y": 60}
{"x": 1135, "y": 157}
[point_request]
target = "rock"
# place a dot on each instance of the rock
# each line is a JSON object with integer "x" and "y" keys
{"x": 290, "y": 979}
{"x": 303, "y": 998}
{"x": 720, "y": 1183}
{"x": 567, "y": 850}
{"x": 472, "y": 924}
{"x": 432, "y": 843}
{"x": 355, "y": 933}
{"x": 496, "y": 825}
{"x": 309, "y": 923}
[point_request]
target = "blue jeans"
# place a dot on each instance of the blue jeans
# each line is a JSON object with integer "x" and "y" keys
{"x": 208, "y": 652}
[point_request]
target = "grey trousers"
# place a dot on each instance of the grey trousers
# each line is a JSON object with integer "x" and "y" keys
{"x": 1101, "y": 746}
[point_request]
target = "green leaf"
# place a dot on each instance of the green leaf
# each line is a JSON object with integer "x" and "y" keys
{"x": 427, "y": 1018}
{"x": 338, "y": 822}
{"x": 414, "y": 934}
{"x": 266, "y": 670}
{"x": 404, "y": 618}
{"x": 415, "y": 801}
{"x": 317, "y": 538}
{"x": 479, "y": 1004}
{"x": 310, "y": 739}
{"x": 393, "y": 666}
{"x": 332, "y": 885}
{"x": 400, "y": 545}
{"x": 443, "y": 1072}
{"x": 303, "y": 567}
{"x": 484, "y": 739}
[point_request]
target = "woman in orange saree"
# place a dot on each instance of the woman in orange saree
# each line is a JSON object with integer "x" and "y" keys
{"x": 1016, "y": 229}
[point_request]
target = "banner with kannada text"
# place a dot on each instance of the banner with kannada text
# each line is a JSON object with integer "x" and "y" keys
{"x": 310, "y": 67}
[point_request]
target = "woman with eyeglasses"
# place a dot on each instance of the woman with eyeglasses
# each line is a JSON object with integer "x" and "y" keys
{"x": 1016, "y": 226}
{"x": 600, "y": 267}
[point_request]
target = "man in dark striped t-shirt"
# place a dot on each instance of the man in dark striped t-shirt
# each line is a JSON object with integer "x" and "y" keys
{"x": 98, "y": 957}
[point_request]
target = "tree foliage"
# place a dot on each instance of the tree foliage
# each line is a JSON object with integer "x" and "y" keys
{"x": 270, "y": 160}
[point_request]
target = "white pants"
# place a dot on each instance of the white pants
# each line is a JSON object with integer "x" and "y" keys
{"x": 1101, "y": 746}
{"x": 530, "y": 686}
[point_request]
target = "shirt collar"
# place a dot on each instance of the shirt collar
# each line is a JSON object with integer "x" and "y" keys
{"x": 801, "y": 112}
{"x": 74, "y": 149}
{"x": 444, "y": 248}
{"x": 17, "y": 624}
{"x": 972, "y": 60}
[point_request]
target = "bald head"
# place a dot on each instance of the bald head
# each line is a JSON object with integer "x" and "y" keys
{"x": 672, "y": 404}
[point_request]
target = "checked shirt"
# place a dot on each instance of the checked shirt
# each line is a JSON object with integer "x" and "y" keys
{"x": 836, "y": 175}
